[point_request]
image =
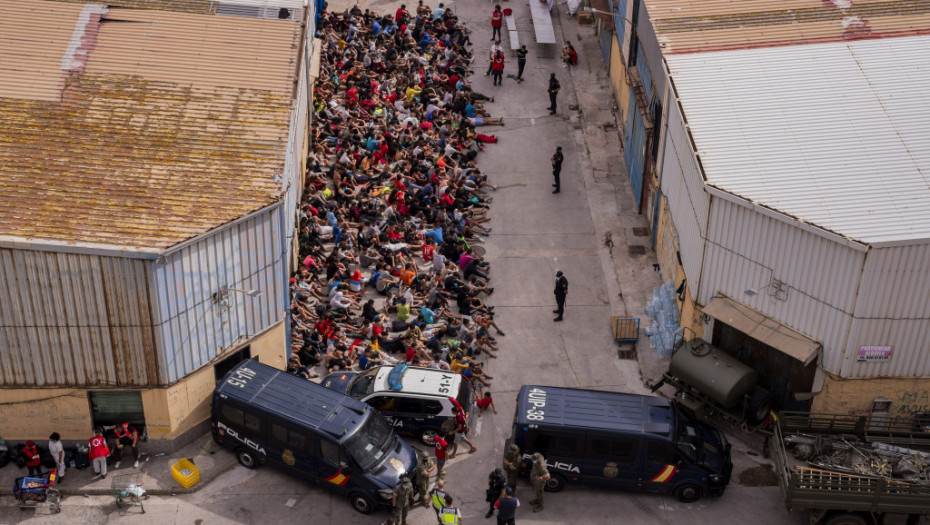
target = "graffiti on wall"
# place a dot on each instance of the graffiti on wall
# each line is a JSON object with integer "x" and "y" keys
{"x": 910, "y": 402}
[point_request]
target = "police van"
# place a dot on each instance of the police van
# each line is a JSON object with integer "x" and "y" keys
{"x": 415, "y": 401}
{"x": 623, "y": 441}
{"x": 269, "y": 417}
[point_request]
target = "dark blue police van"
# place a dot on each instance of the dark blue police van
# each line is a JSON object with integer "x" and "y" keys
{"x": 269, "y": 417}
{"x": 623, "y": 441}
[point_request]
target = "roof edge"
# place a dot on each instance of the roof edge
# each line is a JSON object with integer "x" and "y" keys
{"x": 783, "y": 217}
{"x": 84, "y": 248}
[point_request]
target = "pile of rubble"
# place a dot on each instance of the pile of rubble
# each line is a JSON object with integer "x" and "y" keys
{"x": 865, "y": 459}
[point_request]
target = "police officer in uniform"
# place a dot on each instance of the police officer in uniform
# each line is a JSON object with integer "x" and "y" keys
{"x": 561, "y": 290}
{"x": 438, "y": 497}
{"x": 538, "y": 477}
{"x": 449, "y": 515}
{"x": 554, "y": 88}
{"x": 403, "y": 493}
{"x": 557, "y": 169}
{"x": 512, "y": 462}
{"x": 424, "y": 468}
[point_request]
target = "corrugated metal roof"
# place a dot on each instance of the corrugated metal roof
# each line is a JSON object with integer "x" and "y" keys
{"x": 836, "y": 134}
{"x": 138, "y": 129}
{"x": 689, "y": 26}
{"x": 181, "y": 6}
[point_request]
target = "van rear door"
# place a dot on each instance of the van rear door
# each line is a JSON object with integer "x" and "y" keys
{"x": 613, "y": 461}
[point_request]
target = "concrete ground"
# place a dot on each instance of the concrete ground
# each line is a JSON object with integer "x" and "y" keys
{"x": 535, "y": 233}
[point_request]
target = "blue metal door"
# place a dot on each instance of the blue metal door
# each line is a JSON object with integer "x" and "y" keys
{"x": 606, "y": 37}
{"x": 634, "y": 149}
{"x": 656, "y": 208}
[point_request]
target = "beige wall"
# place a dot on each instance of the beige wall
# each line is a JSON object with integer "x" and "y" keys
{"x": 618, "y": 81}
{"x": 854, "y": 396}
{"x": 169, "y": 412}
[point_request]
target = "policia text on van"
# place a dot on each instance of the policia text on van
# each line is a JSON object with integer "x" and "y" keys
{"x": 625, "y": 441}
{"x": 270, "y": 417}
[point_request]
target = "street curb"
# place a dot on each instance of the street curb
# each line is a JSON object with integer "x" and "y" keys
{"x": 96, "y": 491}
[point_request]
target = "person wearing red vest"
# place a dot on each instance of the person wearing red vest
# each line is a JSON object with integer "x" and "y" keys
{"x": 98, "y": 453}
{"x": 33, "y": 461}
{"x": 126, "y": 436}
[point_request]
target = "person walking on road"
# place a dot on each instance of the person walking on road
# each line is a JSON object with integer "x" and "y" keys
{"x": 521, "y": 62}
{"x": 497, "y": 19}
{"x": 561, "y": 290}
{"x": 557, "y": 159}
{"x": 497, "y": 66}
{"x": 554, "y": 88}
{"x": 538, "y": 477}
{"x": 507, "y": 508}
{"x": 441, "y": 445}
{"x": 400, "y": 500}
{"x": 512, "y": 462}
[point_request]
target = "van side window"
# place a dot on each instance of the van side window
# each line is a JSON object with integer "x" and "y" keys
{"x": 432, "y": 407}
{"x": 555, "y": 443}
{"x": 253, "y": 422}
{"x": 289, "y": 438}
{"x": 618, "y": 449}
{"x": 331, "y": 454}
{"x": 232, "y": 415}
{"x": 383, "y": 403}
{"x": 659, "y": 452}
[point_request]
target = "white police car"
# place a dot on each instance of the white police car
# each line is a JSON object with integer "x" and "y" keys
{"x": 416, "y": 401}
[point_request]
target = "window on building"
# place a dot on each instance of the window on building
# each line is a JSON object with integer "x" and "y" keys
{"x": 112, "y": 407}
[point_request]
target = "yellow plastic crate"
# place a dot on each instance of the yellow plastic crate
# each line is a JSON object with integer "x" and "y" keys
{"x": 189, "y": 480}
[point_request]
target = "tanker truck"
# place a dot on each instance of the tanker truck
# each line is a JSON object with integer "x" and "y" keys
{"x": 714, "y": 384}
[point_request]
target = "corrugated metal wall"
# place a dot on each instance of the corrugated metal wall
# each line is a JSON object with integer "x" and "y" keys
{"x": 74, "y": 320}
{"x": 746, "y": 249}
{"x": 893, "y": 308}
{"x": 651, "y": 51}
{"x": 634, "y": 149}
{"x": 246, "y": 255}
{"x": 683, "y": 187}
{"x": 621, "y": 9}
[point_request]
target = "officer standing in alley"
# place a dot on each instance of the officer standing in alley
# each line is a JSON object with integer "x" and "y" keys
{"x": 512, "y": 462}
{"x": 538, "y": 477}
{"x": 554, "y": 88}
{"x": 424, "y": 468}
{"x": 403, "y": 493}
{"x": 557, "y": 159}
{"x": 561, "y": 290}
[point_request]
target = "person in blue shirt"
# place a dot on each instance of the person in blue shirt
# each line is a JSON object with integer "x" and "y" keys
{"x": 375, "y": 28}
{"x": 438, "y": 12}
{"x": 470, "y": 110}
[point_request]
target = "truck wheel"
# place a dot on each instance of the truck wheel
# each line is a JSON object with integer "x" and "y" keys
{"x": 688, "y": 493}
{"x": 758, "y": 407}
{"x": 555, "y": 483}
{"x": 846, "y": 519}
{"x": 362, "y": 503}
{"x": 427, "y": 437}
{"x": 246, "y": 459}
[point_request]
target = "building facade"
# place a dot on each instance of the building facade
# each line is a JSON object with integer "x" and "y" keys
{"x": 783, "y": 175}
{"x": 150, "y": 182}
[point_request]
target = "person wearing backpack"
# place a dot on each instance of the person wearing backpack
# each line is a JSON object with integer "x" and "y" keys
{"x": 496, "y": 484}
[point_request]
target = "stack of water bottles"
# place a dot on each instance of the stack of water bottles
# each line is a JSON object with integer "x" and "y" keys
{"x": 663, "y": 309}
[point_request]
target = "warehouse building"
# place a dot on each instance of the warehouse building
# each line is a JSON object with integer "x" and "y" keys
{"x": 782, "y": 155}
{"x": 150, "y": 166}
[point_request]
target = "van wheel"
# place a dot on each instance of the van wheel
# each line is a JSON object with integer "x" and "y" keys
{"x": 362, "y": 503}
{"x": 427, "y": 437}
{"x": 555, "y": 483}
{"x": 688, "y": 493}
{"x": 846, "y": 519}
{"x": 246, "y": 459}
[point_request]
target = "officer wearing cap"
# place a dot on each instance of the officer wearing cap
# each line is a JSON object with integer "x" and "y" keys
{"x": 507, "y": 508}
{"x": 403, "y": 493}
{"x": 538, "y": 477}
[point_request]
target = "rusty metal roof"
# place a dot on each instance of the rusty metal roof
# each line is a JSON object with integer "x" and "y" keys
{"x": 138, "y": 129}
{"x": 696, "y": 26}
{"x": 182, "y": 6}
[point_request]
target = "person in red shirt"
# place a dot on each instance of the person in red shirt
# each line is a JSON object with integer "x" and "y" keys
{"x": 440, "y": 450}
{"x": 497, "y": 19}
{"x": 485, "y": 402}
{"x": 400, "y": 16}
{"x": 98, "y": 453}
{"x": 497, "y": 68}
{"x": 33, "y": 461}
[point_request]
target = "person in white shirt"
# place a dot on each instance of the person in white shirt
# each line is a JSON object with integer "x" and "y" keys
{"x": 58, "y": 452}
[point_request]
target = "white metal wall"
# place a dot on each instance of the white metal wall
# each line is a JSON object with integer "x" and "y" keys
{"x": 245, "y": 255}
{"x": 683, "y": 187}
{"x": 69, "y": 319}
{"x": 651, "y": 50}
{"x": 747, "y": 249}
{"x": 893, "y": 308}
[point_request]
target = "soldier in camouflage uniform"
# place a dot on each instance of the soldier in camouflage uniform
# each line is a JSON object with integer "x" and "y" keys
{"x": 538, "y": 477}
{"x": 403, "y": 493}
{"x": 512, "y": 460}
{"x": 424, "y": 468}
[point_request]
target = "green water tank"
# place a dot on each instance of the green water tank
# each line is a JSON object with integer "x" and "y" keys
{"x": 712, "y": 371}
